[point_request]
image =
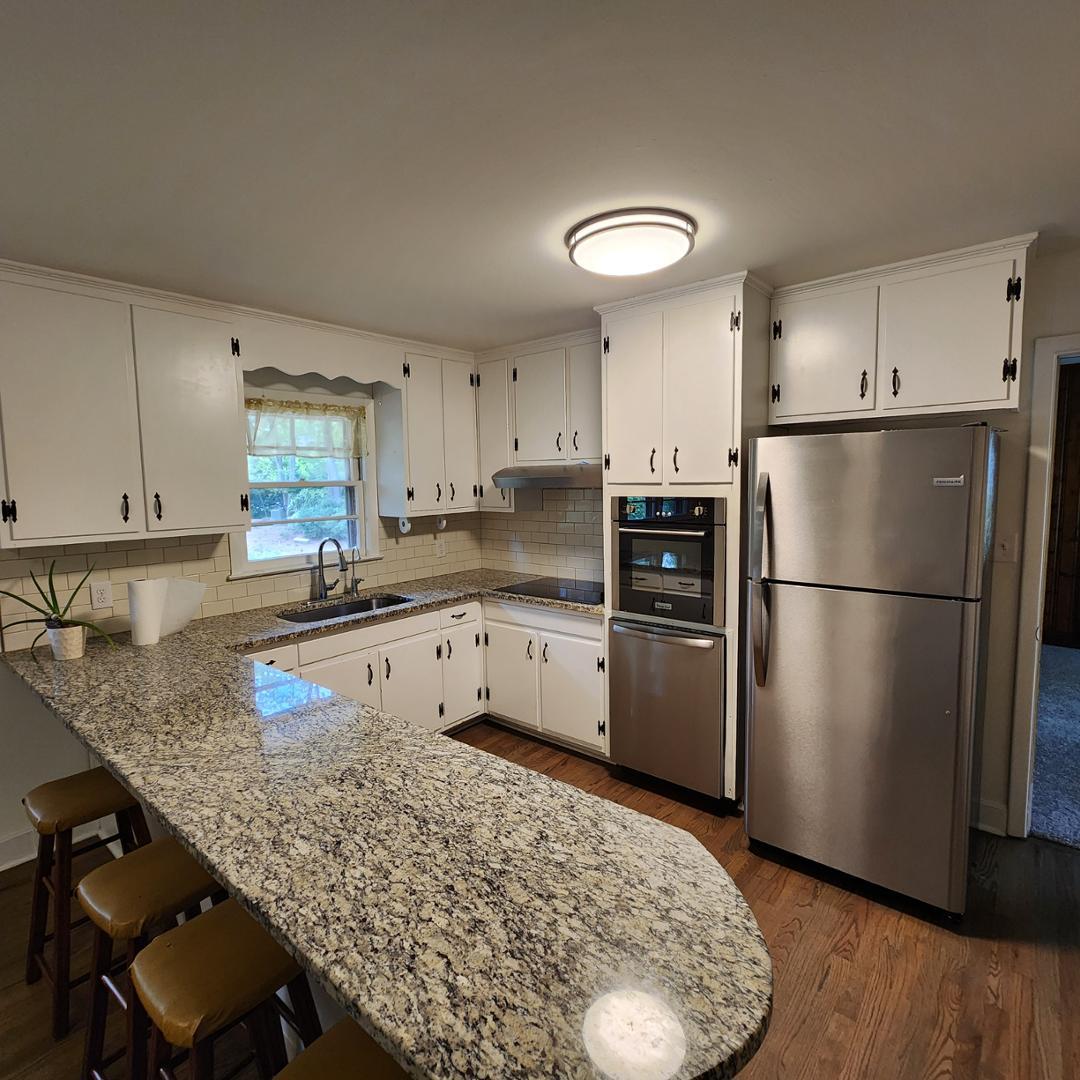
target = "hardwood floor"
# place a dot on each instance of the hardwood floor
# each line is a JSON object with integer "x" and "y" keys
{"x": 866, "y": 987}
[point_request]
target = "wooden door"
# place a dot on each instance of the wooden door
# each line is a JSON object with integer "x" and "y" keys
{"x": 540, "y": 406}
{"x": 191, "y": 420}
{"x": 511, "y": 673}
{"x": 412, "y": 679}
{"x": 585, "y": 406}
{"x": 459, "y": 434}
{"x": 463, "y": 672}
{"x": 493, "y": 422}
{"x": 571, "y": 688}
{"x": 699, "y": 392}
{"x": 355, "y": 675}
{"x": 69, "y": 416}
{"x": 1061, "y": 610}
{"x": 424, "y": 401}
{"x": 634, "y": 387}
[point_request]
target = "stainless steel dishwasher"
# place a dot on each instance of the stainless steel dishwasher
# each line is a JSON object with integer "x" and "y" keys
{"x": 667, "y": 689}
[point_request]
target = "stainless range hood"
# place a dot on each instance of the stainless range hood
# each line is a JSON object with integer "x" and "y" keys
{"x": 569, "y": 474}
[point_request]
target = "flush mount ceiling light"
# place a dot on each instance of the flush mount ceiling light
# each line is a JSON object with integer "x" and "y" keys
{"x": 621, "y": 243}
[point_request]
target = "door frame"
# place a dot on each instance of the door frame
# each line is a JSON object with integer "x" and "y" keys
{"x": 1049, "y": 355}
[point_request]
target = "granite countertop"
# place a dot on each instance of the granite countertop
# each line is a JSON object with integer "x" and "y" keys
{"x": 479, "y": 919}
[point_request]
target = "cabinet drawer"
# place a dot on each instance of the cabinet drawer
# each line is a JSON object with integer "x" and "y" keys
{"x": 284, "y": 657}
{"x": 366, "y": 637}
{"x": 460, "y": 614}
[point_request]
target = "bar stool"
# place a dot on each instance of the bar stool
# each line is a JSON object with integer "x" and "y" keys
{"x": 221, "y": 969}
{"x": 55, "y": 809}
{"x": 127, "y": 900}
{"x": 345, "y": 1052}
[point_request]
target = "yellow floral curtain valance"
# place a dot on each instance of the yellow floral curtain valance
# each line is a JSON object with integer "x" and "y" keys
{"x": 305, "y": 429}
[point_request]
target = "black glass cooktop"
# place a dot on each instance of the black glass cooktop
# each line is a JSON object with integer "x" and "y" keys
{"x": 576, "y": 592}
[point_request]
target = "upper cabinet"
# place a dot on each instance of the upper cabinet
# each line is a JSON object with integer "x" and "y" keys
{"x": 556, "y": 402}
{"x": 933, "y": 335}
{"x": 493, "y": 426}
{"x": 69, "y": 416}
{"x": 459, "y": 434}
{"x": 190, "y": 416}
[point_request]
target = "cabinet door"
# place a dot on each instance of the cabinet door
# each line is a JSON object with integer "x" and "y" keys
{"x": 493, "y": 421}
{"x": 459, "y": 434}
{"x": 463, "y": 672}
{"x": 540, "y": 406}
{"x": 947, "y": 336}
{"x": 424, "y": 400}
{"x": 412, "y": 679}
{"x": 571, "y": 688}
{"x": 511, "y": 673}
{"x": 191, "y": 419}
{"x": 825, "y": 357}
{"x": 584, "y": 364}
{"x": 699, "y": 392}
{"x": 70, "y": 421}
{"x": 634, "y": 387}
{"x": 354, "y": 675}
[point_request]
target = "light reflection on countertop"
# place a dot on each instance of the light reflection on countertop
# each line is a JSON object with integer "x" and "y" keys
{"x": 631, "y": 1034}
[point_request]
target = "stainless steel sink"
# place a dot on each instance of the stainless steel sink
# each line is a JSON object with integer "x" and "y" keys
{"x": 349, "y": 607}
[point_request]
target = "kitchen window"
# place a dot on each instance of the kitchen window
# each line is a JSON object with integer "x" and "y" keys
{"x": 305, "y": 482}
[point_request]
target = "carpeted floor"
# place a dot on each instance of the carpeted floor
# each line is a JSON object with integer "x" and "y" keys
{"x": 1055, "y": 799}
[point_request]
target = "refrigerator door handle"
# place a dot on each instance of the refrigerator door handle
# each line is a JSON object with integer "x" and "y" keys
{"x": 757, "y": 589}
{"x": 758, "y": 614}
{"x": 757, "y": 532}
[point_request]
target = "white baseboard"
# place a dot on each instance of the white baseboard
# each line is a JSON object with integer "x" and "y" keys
{"x": 21, "y": 847}
{"x": 992, "y": 817}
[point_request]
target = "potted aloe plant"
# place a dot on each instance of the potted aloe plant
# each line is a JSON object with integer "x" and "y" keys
{"x": 66, "y": 636}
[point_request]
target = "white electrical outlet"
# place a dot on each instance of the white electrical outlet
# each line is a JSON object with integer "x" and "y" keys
{"x": 101, "y": 594}
{"x": 440, "y": 547}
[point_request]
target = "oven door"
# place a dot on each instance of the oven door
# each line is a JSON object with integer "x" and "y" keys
{"x": 666, "y": 573}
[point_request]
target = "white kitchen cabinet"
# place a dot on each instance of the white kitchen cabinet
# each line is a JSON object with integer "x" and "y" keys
{"x": 493, "y": 423}
{"x": 699, "y": 392}
{"x": 824, "y": 353}
{"x": 355, "y": 675}
{"x": 283, "y": 657}
{"x": 191, "y": 420}
{"x": 584, "y": 377}
{"x": 411, "y": 674}
{"x": 513, "y": 690}
{"x": 571, "y": 689}
{"x": 424, "y": 399}
{"x": 69, "y": 416}
{"x": 946, "y": 338}
{"x": 462, "y": 672}
{"x": 634, "y": 361}
{"x": 539, "y": 383}
{"x": 459, "y": 435}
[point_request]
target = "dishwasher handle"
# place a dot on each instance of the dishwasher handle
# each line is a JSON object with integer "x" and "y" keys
{"x": 664, "y": 636}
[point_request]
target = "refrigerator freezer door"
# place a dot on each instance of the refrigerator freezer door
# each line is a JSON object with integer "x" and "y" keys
{"x": 898, "y": 511}
{"x": 666, "y": 691}
{"x": 859, "y": 743}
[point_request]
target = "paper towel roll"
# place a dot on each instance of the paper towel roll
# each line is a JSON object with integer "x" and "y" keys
{"x": 147, "y": 601}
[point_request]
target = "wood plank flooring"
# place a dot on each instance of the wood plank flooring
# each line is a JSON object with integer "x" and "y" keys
{"x": 866, "y": 986}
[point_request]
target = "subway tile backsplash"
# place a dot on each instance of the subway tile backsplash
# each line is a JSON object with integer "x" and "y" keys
{"x": 564, "y": 539}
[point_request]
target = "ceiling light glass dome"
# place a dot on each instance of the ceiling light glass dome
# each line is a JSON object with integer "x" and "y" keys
{"x": 622, "y": 243}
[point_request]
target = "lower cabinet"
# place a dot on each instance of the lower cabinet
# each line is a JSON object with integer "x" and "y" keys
{"x": 412, "y": 686}
{"x": 462, "y": 672}
{"x": 572, "y": 688}
{"x": 511, "y": 673}
{"x": 355, "y": 675}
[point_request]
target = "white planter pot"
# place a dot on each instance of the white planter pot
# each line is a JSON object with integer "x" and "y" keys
{"x": 68, "y": 642}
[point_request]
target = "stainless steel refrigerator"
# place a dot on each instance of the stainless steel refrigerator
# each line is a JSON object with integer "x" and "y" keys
{"x": 866, "y": 598}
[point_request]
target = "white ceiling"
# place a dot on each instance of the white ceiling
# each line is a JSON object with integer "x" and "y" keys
{"x": 412, "y": 167}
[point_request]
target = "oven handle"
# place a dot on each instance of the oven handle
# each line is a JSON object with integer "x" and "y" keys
{"x": 665, "y": 637}
{"x": 664, "y": 532}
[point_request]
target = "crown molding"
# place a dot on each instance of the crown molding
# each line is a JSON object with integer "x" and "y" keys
{"x": 556, "y": 341}
{"x": 742, "y": 278}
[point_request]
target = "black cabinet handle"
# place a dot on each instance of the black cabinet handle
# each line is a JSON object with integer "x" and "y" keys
{"x": 438, "y": 491}
{"x": 245, "y": 502}
{"x": 544, "y": 653}
{"x": 386, "y": 660}
{"x": 895, "y": 381}
{"x": 675, "y": 459}
{"x": 449, "y": 649}
{"x": 458, "y": 615}
{"x": 558, "y": 442}
{"x": 575, "y": 442}
{"x": 157, "y": 506}
{"x": 502, "y": 492}
{"x": 370, "y": 674}
{"x": 125, "y": 506}
{"x": 271, "y": 663}
{"x": 652, "y": 460}
{"x": 528, "y": 649}
{"x": 864, "y": 384}
{"x": 453, "y": 492}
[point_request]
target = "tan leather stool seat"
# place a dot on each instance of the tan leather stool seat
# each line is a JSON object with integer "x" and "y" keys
{"x": 130, "y": 896}
{"x": 63, "y": 804}
{"x": 201, "y": 977}
{"x": 344, "y": 1051}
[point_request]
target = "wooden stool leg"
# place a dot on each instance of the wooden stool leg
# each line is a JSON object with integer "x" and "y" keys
{"x": 303, "y": 1007}
{"x": 159, "y": 1051}
{"x": 139, "y": 828}
{"x": 127, "y": 835}
{"x": 138, "y": 1023}
{"x": 202, "y": 1060}
{"x": 267, "y": 1042}
{"x": 62, "y": 934}
{"x": 99, "y": 1003}
{"x": 39, "y": 908}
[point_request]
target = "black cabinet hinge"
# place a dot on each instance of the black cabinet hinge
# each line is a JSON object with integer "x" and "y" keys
{"x": 487, "y": 640}
{"x": 607, "y": 461}
{"x": 515, "y": 444}
{"x": 487, "y": 692}
{"x": 601, "y": 727}
{"x": 733, "y": 456}
{"x": 776, "y": 392}
{"x": 1012, "y": 288}
{"x": 1008, "y": 370}
{"x": 410, "y": 493}
{"x": 406, "y": 370}
{"x": 245, "y": 503}
{"x": 475, "y": 491}
{"x": 736, "y": 320}
{"x": 778, "y": 329}
{"x": 438, "y": 651}
{"x": 514, "y": 378}
{"x": 442, "y": 709}
{"x": 235, "y": 343}
{"x": 600, "y": 663}
{"x": 481, "y": 491}
{"x": 478, "y": 639}
{"x": 8, "y": 511}
{"x": 479, "y": 693}
{"x": 607, "y": 344}
{"x": 472, "y": 379}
